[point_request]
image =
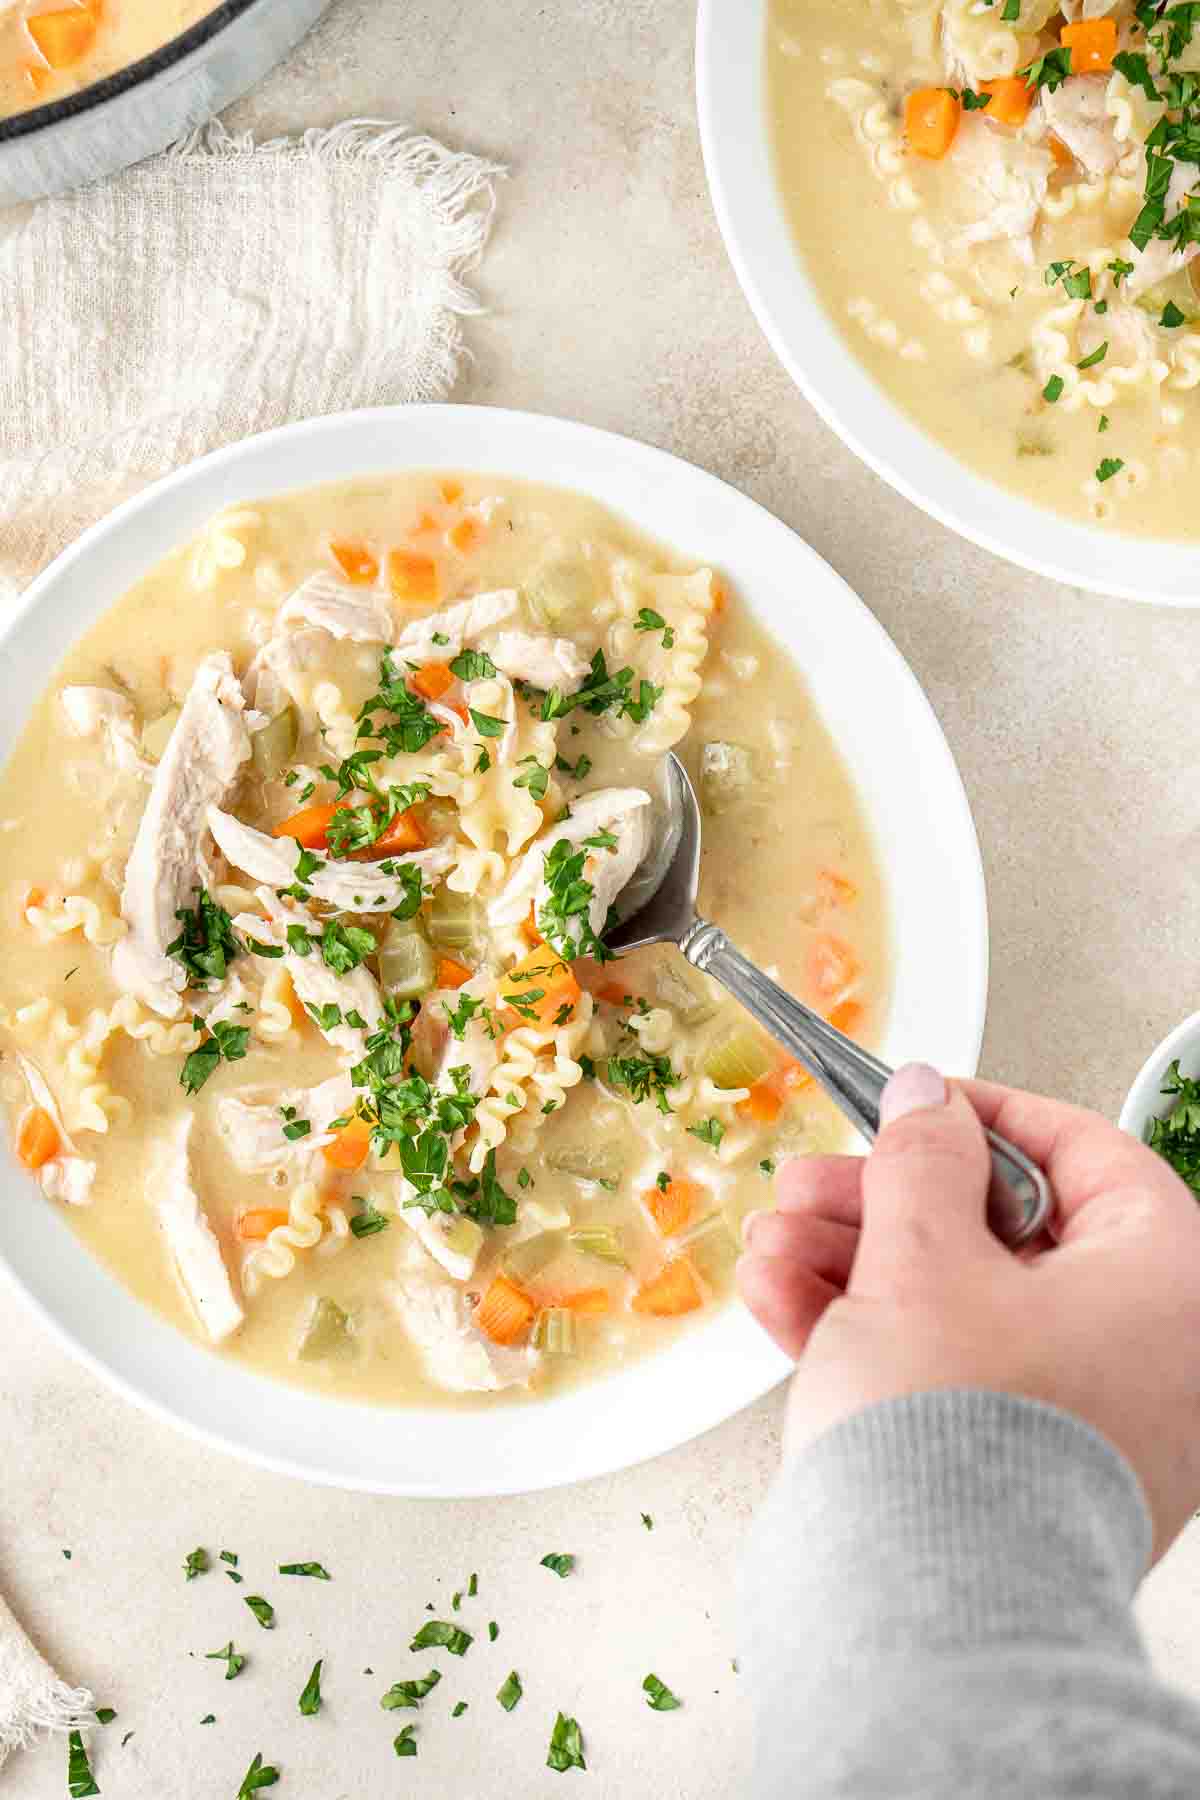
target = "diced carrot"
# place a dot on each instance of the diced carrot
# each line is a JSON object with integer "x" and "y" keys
{"x": 529, "y": 930}
{"x": 413, "y": 578}
{"x": 768, "y": 1096}
{"x": 832, "y": 966}
{"x": 1092, "y": 43}
{"x": 451, "y": 491}
{"x": 432, "y": 681}
{"x": 505, "y": 1313}
{"x": 538, "y": 989}
{"x": 64, "y": 37}
{"x": 588, "y": 1303}
{"x": 308, "y": 826}
{"x": 259, "y": 1222}
{"x": 931, "y": 117}
{"x": 36, "y": 78}
{"x": 837, "y": 889}
{"x": 847, "y": 1017}
{"x": 37, "y": 1138}
{"x": 671, "y": 1207}
{"x": 466, "y": 536}
{"x": 614, "y": 993}
{"x": 350, "y": 1147}
{"x": 451, "y": 974}
{"x": 1058, "y": 150}
{"x": 358, "y": 564}
{"x": 36, "y": 896}
{"x": 1010, "y": 102}
{"x": 673, "y": 1292}
{"x": 400, "y": 834}
{"x": 426, "y": 523}
{"x": 720, "y": 598}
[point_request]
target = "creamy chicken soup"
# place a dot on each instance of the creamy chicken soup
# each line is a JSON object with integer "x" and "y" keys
{"x": 1000, "y": 204}
{"x": 49, "y": 48}
{"x": 307, "y": 855}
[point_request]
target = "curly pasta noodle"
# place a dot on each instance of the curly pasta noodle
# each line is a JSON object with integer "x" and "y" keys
{"x": 878, "y": 131}
{"x": 885, "y": 331}
{"x": 686, "y": 603}
{"x": 223, "y": 546}
{"x": 274, "y": 1019}
{"x": 306, "y": 1227}
{"x": 86, "y": 1099}
{"x": 54, "y": 918}
{"x": 537, "y": 1069}
{"x": 137, "y": 1022}
{"x": 978, "y": 45}
{"x": 339, "y": 728}
{"x": 1056, "y": 352}
{"x": 493, "y": 811}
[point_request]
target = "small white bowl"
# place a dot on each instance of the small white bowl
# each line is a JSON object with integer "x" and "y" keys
{"x": 1146, "y": 1099}
{"x": 731, "y": 83}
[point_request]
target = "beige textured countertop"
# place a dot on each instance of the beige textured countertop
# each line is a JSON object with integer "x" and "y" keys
{"x": 1072, "y": 719}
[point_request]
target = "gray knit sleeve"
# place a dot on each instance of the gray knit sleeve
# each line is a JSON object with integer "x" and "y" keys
{"x": 937, "y": 1608}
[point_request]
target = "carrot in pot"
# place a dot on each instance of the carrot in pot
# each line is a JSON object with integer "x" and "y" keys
{"x": 1011, "y": 99}
{"x": 413, "y": 578}
{"x": 358, "y": 564}
{"x": 837, "y": 889}
{"x": 673, "y": 1292}
{"x": 399, "y": 834}
{"x": 847, "y": 1017}
{"x": 64, "y": 37}
{"x": 588, "y": 1303}
{"x": 768, "y": 1096}
{"x": 308, "y": 826}
{"x": 537, "y": 989}
{"x": 1058, "y": 150}
{"x": 432, "y": 681}
{"x": 451, "y": 491}
{"x": 451, "y": 974}
{"x": 350, "y": 1147}
{"x": 38, "y": 1141}
{"x": 1092, "y": 43}
{"x": 832, "y": 966}
{"x": 931, "y": 118}
{"x": 466, "y": 536}
{"x": 671, "y": 1207}
{"x": 529, "y": 930}
{"x": 506, "y": 1312}
{"x": 256, "y": 1225}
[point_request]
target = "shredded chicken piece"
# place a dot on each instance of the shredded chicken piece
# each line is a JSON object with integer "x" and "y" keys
{"x": 191, "y": 1239}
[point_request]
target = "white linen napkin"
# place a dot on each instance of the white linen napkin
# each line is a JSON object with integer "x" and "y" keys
{"x": 218, "y": 290}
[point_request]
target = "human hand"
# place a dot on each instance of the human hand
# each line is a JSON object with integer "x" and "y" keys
{"x": 881, "y": 1276}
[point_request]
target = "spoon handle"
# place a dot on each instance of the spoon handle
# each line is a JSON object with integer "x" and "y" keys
{"x": 1019, "y": 1201}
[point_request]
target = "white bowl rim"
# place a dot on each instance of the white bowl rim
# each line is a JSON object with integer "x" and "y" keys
{"x": 730, "y": 74}
{"x": 1145, "y": 1099}
{"x": 246, "y": 1415}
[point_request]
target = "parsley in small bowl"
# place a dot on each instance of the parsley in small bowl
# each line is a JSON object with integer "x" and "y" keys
{"x": 1163, "y": 1107}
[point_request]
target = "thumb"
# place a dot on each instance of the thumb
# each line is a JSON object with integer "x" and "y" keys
{"x": 925, "y": 1184}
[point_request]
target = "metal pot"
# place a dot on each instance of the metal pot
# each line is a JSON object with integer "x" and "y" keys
{"x": 150, "y": 103}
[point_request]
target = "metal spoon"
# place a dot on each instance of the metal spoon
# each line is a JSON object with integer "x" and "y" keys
{"x": 659, "y": 906}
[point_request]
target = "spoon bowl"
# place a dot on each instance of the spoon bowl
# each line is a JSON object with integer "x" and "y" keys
{"x": 659, "y": 907}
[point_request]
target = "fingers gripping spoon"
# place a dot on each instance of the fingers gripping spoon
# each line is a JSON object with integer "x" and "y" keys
{"x": 659, "y": 907}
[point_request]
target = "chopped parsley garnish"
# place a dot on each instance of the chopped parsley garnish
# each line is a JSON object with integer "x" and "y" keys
{"x": 299, "y": 940}
{"x": 405, "y": 1743}
{"x": 234, "y": 1663}
{"x": 1172, "y": 317}
{"x": 229, "y": 1556}
{"x": 411, "y": 724}
{"x": 564, "y": 918}
{"x": 483, "y": 762}
{"x": 643, "y": 1078}
{"x": 437, "y": 1634}
{"x": 566, "y": 1745}
{"x": 709, "y": 1131}
{"x": 294, "y": 1128}
{"x": 1103, "y": 425}
{"x": 662, "y": 1181}
{"x": 263, "y": 1611}
{"x": 511, "y": 1692}
{"x": 472, "y": 1587}
{"x": 1176, "y": 1137}
{"x": 459, "y": 1710}
{"x": 316, "y": 1570}
{"x": 196, "y": 1563}
{"x": 327, "y": 1017}
{"x": 473, "y": 665}
{"x": 79, "y": 1769}
{"x": 1097, "y": 356}
{"x": 600, "y": 692}
{"x": 1053, "y": 389}
{"x": 535, "y": 778}
{"x": 1049, "y": 71}
{"x": 404, "y": 1694}
{"x": 344, "y": 947}
{"x": 486, "y": 724}
{"x": 647, "y": 1521}
{"x": 973, "y": 102}
{"x": 766, "y": 1167}
{"x": 226, "y": 1042}
{"x": 258, "y": 1776}
{"x": 560, "y": 1563}
{"x": 493, "y": 1630}
{"x": 368, "y": 1220}
{"x": 1076, "y": 282}
{"x": 105, "y": 1715}
{"x": 577, "y": 770}
{"x": 1136, "y": 69}
{"x": 310, "y": 1699}
{"x": 524, "y": 1180}
{"x": 208, "y": 1719}
{"x": 1119, "y": 270}
{"x": 206, "y": 946}
{"x": 1110, "y": 466}
{"x": 658, "y": 1696}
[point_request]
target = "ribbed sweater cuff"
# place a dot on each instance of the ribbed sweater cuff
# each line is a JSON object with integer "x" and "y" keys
{"x": 950, "y": 1519}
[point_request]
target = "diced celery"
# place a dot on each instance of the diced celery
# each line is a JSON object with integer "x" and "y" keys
{"x": 738, "y": 1058}
{"x": 406, "y": 961}
{"x": 710, "y": 1242}
{"x": 272, "y": 748}
{"x": 455, "y": 921}
{"x": 555, "y": 1332}
{"x": 726, "y": 776}
{"x": 327, "y": 1333}
{"x": 525, "y": 1260}
{"x": 600, "y": 1241}
{"x": 681, "y": 988}
{"x": 561, "y": 592}
{"x": 156, "y": 734}
{"x": 584, "y": 1162}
